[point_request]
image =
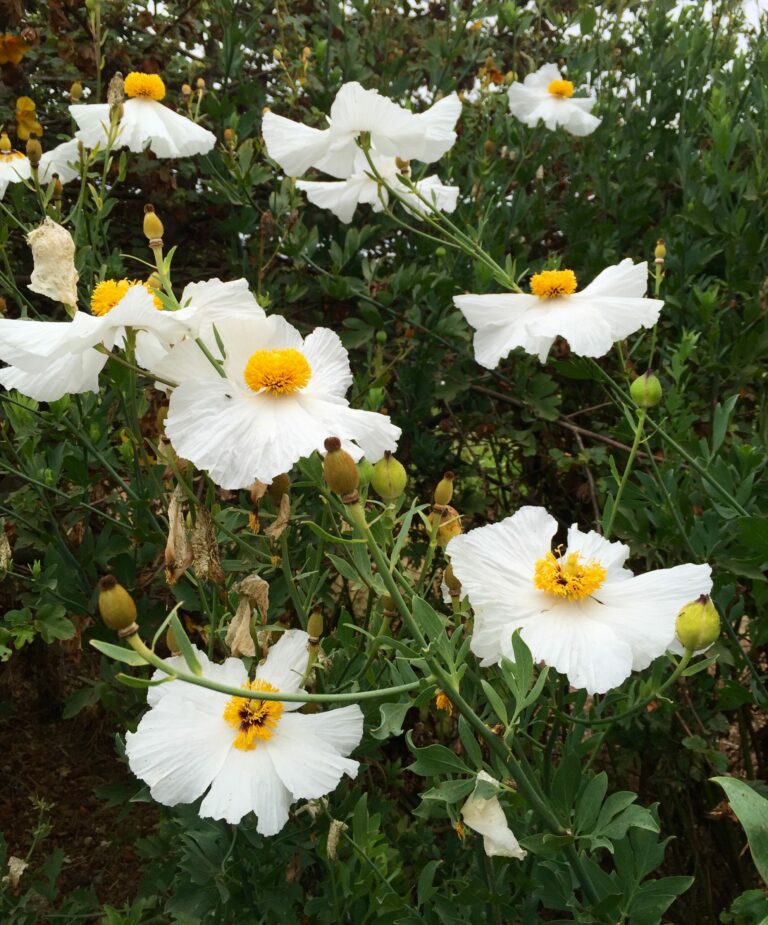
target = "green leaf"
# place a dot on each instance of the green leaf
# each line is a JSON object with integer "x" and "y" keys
{"x": 435, "y": 759}
{"x": 752, "y": 811}
{"x": 392, "y": 717}
{"x": 185, "y": 646}
{"x": 589, "y": 804}
{"x": 497, "y": 704}
{"x": 118, "y": 653}
{"x": 450, "y": 791}
{"x": 430, "y": 621}
{"x": 652, "y": 899}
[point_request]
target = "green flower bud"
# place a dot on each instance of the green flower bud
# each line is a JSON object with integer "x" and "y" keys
{"x": 698, "y": 624}
{"x": 339, "y": 470}
{"x": 315, "y": 627}
{"x": 646, "y": 390}
{"x": 116, "y": 606}
{"x": 389, "y": 478}
{"x": 444, "y": 490}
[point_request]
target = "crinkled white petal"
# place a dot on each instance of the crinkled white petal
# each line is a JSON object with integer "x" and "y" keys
{"x": 178, "y": 749}
{"x": 58, "y": 161}
{"x": 231, "y": 671}
{"x": 247, "y": 782}
{"x": 428, "y": 135}
{"x": 307, "y": 764}
{"x": 286, "y": 664}
{"x": 148, "y": 123}
{"x": 294, "y": 146}
{"x": 486, "y": 817}
{"x": 69, "y": 374}
{"x": 341, "y": 197}
{"x": 439, "y": 196}
{"x": 212, "y": 301}
{"x": 30, "y": 344}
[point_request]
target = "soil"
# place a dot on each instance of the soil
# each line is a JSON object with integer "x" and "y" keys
{"x": 64, "y": 763}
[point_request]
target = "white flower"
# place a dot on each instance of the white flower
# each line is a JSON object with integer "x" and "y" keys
{"x": 14, "y": 166}
{"x": 246, "y": 756}
{"x": 145, "y": 122}
{"x": 280, "y": 397}
{"x": 546, "y": 97}
{"x": 486, "y": 817}
{"x": 610, "y": 308}
{"x": 343, "y": 196}
{"x": 394, "y": 131}
{"x": 59, "y": 161}
{"x": 580, "y": 612}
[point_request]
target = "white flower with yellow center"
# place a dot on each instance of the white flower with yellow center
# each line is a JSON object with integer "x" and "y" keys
{"x": 245, "y": 755}
{"x": 342, "y": 197}
{"x": 578, "y": 609}
{"x": 49, "y": 359}
{"x": 14, "y": 166}
{"x": 545, "y": 97}
{"x": 610, "y": 308}
{"x": 394, "y": 132}
{"x": 484, "y": 814}
{"x": 145, "y": 122}
{"x": 278, "y": 400}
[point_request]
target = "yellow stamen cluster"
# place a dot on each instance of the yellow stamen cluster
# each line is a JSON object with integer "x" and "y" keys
{"x": 443, "y": 703}
{"x": 277, "y": 371}
{"x": 561, "y": 88}
{"x": 255, "y": 720}
{"x": 568, "y": 578}
{"x": 146, "y": 86}
{"x": 109, "y": 292}
{"x": 552, "y": 284}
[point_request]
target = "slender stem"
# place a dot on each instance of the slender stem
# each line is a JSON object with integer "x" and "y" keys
{"x": 138, "y": 645}
{"x": 641, "y": 415}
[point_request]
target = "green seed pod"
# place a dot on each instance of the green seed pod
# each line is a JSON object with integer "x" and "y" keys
{"x": 315, "y": 627}
{"x": 339, "y": 469}
{"x": 698, "y": 624}
{"x": 389, "y": 477}
{"x": 646, "y": 390}
{"x": 444, "y": 489}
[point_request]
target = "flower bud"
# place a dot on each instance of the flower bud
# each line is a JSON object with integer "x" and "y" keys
{"x": 444, "y": 490}
{"x": 661, "y": 251}
{"x": 34, "y": 151}
{"x": 388, "y": 606}
{"x": 449, "y": 524}
{"x": 646, "y": 390}
{"x": 279, "y": 486}
{"x": 402, "y": 166}
{"x": 489, "y": 146}
{"x": 698, "y": 624}
{"x": 229, "y": 135}
{"x": 389, "y": 477}
{"x": 186, "y": 89}
{"x": 340, "y": 471}
{"x": 315, "y": 627}
{"x": 76, "y": 91}
{"x": 153, "y": 227}
{"x": 116, "y": 605}
{"x": 200, "y": 83}
{"x": 451, "y": 581}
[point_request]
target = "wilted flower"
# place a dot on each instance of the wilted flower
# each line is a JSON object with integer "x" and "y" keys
{"x": 246, "y": 755}
{"x": 578, "y": 609}
{"x": 278, "y": 400}
{"x": 12, "y": 48}
{"x": 53, "y": 252}
{"x": 485, "y": 816}
{"x": 612, "y": 307}
{"x": 145, "y": 122}
{"x": 546, "y": 97}
{"x": 394, "y": 132}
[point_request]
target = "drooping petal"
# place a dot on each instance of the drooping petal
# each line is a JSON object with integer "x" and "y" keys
{"x": 247, "y": 782}
{"x": 441, "y": 197}
{"x": 178, "y": 749}
{"x": 427, "y": 136}
{"x": 294, "y": 146}
{"x": 148, "y": 123}
{"x": 486, "y": 817}
{"x": 308, "y": 766}
{"x": 30, "y": 345}
{"x": 341, "y": 197}
{"x": 58, "y": 161}
{"x": 500, "y": 322}
{"x": 68, "y": 374}
{"x": 93, "y": 123}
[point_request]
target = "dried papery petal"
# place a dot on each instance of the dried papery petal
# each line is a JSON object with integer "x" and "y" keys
{"x": 178, "y": 552}
{"x": 238, "y": 636}
{"x": 205, "y": 549}
{"x": 275, "y": 529}
{"x": 53, "y": 252}
{"x": 256, "y": 591}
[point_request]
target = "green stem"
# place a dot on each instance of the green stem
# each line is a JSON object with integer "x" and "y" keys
{"x": 641, "y": 415}
{"x": 138, "y": 645}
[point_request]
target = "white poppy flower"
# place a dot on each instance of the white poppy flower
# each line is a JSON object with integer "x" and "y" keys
{"x": 14, "y": 166}
{"x": 247, "y": 756}
{"x": 486, "y": 817}
{"x": 546, "y": 97}
{"x": 145, "y": 122}
{"x": 280, "y": 397}
{"x": 612, "y": 307}
{"x": 343, "y": 196}
{"x": 579, "y": 610}
{"x": 59, "y": 161}
{"x": 394, "y": 131}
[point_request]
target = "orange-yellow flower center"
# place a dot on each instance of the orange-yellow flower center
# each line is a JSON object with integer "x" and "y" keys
{"x": 561, "y": 88}
{"x": 568, "y": 577}
{"x": 552, "y": 284}
{"x": 146, "y": 86}
{"x": 255, "y": 720}
{"x": 109, "y": 292}
{"x": 279, "y": 372}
